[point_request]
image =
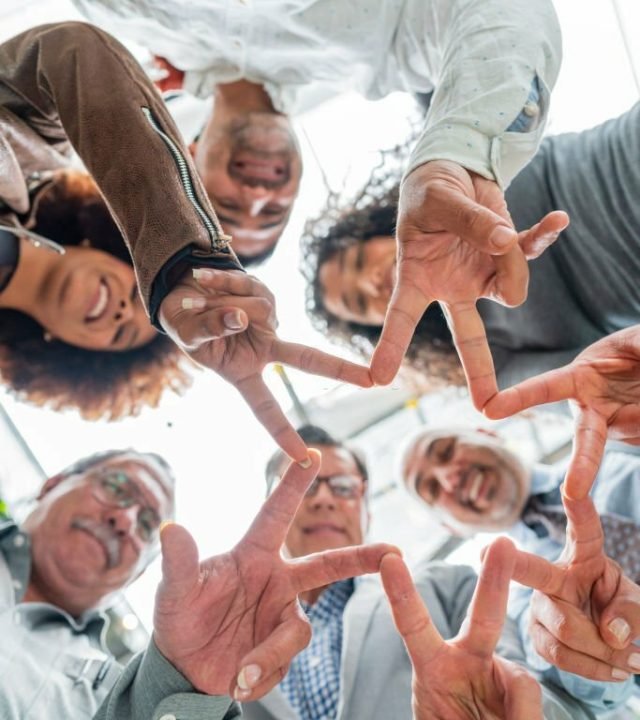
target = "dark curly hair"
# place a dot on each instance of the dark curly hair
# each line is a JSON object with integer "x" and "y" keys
{"x": 99, "y": 384}
{"x": 346, "y": 222}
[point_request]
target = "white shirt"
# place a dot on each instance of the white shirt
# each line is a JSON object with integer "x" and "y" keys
{"x": 481, "y": 55}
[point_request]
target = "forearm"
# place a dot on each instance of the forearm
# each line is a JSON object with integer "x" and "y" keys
{"x": 150, "y": 688}
{"x": 489, "y": 52}
{"x": 84, "y": 79}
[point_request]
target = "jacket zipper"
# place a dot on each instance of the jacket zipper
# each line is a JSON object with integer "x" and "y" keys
{"x": 219, "y": 240}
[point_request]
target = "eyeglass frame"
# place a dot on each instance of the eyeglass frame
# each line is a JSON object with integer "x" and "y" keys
{"x": 134, "y": 495}
{"x": 314, "y": 487}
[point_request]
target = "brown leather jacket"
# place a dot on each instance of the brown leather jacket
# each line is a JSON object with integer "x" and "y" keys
{"x": 72, "y": 84}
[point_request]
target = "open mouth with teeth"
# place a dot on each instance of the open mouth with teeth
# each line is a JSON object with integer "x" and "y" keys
{"x": 478, "y": 489}
{"x": 99, "y": 302}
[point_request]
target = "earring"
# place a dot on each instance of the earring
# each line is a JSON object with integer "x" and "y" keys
{"x": 47, "y": 336}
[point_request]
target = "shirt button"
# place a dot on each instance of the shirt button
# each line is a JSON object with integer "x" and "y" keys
{"x": 18, "y": 540}
{"x": 237, "y": 43}
{"x": 168, "y": 716}
{"x": 531, "y": 109}
{"x": 17, "y": 584}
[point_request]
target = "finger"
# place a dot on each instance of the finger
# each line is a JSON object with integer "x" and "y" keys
{"x": 549, "y": 387}
{"x": 265, "y": 407}
{"x": 538, "y": 238}
{"x": 180, "y": 562}
{"x": 522, "y": 692}
{"x": 327, "y": 567}
{"x": 194, "y": 324}
{"x": 271, "y": 524}
{"x": 573, "y": 630}
{"x": 482, "y": 228}
{"x": 320, "y": 363}
{"x": 482, "y": 627}
{"x": 470, "y": 339}
{"x": 512, "y": 278}
{"x": 261, "y": 689}
{"x": 406, "y": 307}
{"x": 537, "y": 573}
{"x": 410, "y": 615}
{"x": 232, "y": 282}
{"x": 585, "y": 538}
{"x": 588, "y": 447}
{"x": 619, "y": 622}
{"x": 260, "y": 669}
{"x": 570, "y": 660}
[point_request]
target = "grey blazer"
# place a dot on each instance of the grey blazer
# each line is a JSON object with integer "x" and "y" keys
{"x": 375, "y": 675}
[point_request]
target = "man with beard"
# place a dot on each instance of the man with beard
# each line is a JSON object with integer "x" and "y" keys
{"x": 266, "y": 63}
{"x": 470, "y": 482}
{"x": 94, "y": 529}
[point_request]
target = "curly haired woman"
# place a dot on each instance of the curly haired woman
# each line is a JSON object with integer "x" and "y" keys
{"x": 585, "y": 285}
{"x": 73, "y": 331}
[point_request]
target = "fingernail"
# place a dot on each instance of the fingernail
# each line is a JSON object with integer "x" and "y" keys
{"x": 233, "y": 320}
{"x": 241, "y": 695}
{"x": 620, "y": 628}
{"x": 502, "y": 236}
{"x": 634, "y": 661}
{"x": 305, "y": 464}
{"x": 197, "y": 303}
{"x": 248, "y": 677}
{"x": 618, "y": 674}
{"x": 202, "y": 273}
{"x": 165, "y": 524}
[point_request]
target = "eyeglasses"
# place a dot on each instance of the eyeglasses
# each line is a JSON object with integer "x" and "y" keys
{"x": 114, "y": 489}
{"x": 343, "y": 487}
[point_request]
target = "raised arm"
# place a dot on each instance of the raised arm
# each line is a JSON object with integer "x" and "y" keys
{"x": 73, "y": 80}
{"x": 495, "y": 63}
{"x": 230, "y": 625}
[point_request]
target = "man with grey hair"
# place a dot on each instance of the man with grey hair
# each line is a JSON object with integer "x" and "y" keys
{"x": 471, "y": 482}
{"x": 222, "y": 626}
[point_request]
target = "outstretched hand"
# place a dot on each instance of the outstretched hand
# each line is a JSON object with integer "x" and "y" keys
{"x": 231, "y": 624}
{"x": 604, "y": 384}
{"x": 462, "y": 678}
{"x": 585, "y": 613}
{"x": 456, "y": 244}
{"x": 225, "y": 321}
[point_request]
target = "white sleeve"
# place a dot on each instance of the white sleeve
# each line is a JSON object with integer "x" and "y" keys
{"x": 488, "y": 57}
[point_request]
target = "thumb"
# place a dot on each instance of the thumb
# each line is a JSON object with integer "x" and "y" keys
{"x": 482, "y": 228}
{"x": 180, "y": 565}
{"x": 198, "y": 324}
{"x": 619, "y": 622}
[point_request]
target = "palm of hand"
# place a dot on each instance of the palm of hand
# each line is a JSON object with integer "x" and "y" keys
{"x": 239, "y": 357}
{"x": 440, "y": 264}
{"x": 456, "y": 685}
{"x": 236, "y": 603}
{"x": 606, "y": 380}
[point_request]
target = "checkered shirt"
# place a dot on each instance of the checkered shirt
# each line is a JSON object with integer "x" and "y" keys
{"x": 312, "y": 684}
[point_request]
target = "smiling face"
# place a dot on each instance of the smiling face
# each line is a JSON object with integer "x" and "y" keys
{"x": 357, "y": 282}
{"x": 83, "y": 545}
{"x": 90, "y": 299}
{"x": 251, "y": 169}
{"x": 324, "y": 521}
{"x": 469, "y": 479}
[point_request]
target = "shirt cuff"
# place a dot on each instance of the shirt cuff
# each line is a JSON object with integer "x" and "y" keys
{"x": 170, "y": 694}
